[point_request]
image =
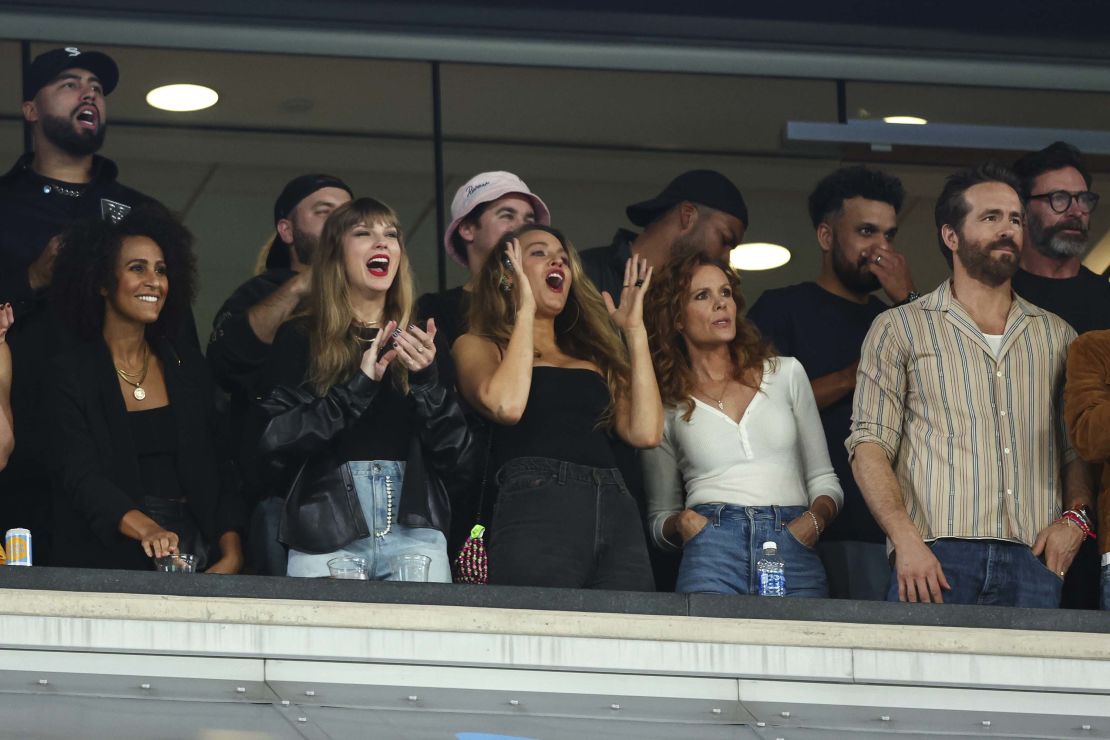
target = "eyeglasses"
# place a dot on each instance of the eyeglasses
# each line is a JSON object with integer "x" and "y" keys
{"x": 1060, "y": 200}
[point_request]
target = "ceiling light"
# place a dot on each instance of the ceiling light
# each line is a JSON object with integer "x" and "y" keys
{"x": 182, "y": 97}
{"x": 758, "y": 256}
{"x": 909, "y": 120}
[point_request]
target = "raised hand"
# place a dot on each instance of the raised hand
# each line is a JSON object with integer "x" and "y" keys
{"x": 637, "y": 279}
{"x": 373, "y": 367}
{"x": 893, "y": 273}
{"x": 526, "y": 300}
{"x": 416, "y": 349}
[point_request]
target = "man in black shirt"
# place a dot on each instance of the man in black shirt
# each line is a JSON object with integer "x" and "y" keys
{"x": 698, "y": 210}
{"x": 244, "y": 329}
{"x": 65, "y": 102}
{"x": 1056, "y": 186}
{"x": 823, "y": 324}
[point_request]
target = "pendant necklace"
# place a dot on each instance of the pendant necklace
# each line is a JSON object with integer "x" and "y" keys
{"x": 139, "y": 392}
{"x": 719, "y": 401}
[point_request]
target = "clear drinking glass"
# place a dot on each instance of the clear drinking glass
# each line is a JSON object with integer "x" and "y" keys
{"x": 349, "y": 568}
{"x": 411, "y": 567}
{"x": 181, "y": 563}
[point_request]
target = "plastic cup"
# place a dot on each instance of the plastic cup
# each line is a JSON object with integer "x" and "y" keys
{"x": 349, "y": 569}
{"x": 181, "y": 563}
{"x": 411, "y": 567}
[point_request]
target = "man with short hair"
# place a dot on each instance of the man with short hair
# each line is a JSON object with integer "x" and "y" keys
{"x": 244, "y": 329}
{"x": 1056, "y": 187}
{"x": 486, "y": 208}
{"x": 698, "y": 210}
{"x": 854, "y": 211}
{"x": 958, "y": 442}
{"x": 63, "y": 180}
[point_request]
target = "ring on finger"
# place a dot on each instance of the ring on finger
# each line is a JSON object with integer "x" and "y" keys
{"x": 639, "y": 282}
{"x": 420, "y": 348}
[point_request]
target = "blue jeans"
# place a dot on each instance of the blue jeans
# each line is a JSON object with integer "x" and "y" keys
{"x": 370, "y": 485}
{"x": 722, "y": 557}
{"x": 992, "y": 572}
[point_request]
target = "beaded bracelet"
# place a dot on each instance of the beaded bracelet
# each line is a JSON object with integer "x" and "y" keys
{"x": 1083, "y": 518}
{"x": 815, "y": 524}
{"x": 1072, "y": 517}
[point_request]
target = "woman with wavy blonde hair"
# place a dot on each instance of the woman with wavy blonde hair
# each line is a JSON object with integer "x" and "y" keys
{"x": 545, "y": 362}
{"x": 364, "y": 435}
{"x": 743, "y": 458}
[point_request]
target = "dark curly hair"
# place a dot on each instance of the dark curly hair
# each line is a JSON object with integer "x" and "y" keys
{"x": 86, "y": 268}
{"x": 827, "y": 199}
{"x": 663, "y": 307}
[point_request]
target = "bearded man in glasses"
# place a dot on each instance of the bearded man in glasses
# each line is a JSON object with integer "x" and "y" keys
{"x": 1058, "y": 205}
{"x": 1056, "y": 187}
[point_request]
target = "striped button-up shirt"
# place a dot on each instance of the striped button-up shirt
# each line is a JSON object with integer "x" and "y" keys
{"x": 977, "y": 442}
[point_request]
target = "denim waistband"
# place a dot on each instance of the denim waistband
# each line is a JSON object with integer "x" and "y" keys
{"x": 377, "y": 467}
{"x": 780, "y": 515}
{"x": 559, "y": 469}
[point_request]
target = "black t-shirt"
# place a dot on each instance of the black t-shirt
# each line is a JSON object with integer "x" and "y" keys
{"x": 1083, "y": 301}
{"x": 825, "y": 332}
{"x": 604, "y": 266}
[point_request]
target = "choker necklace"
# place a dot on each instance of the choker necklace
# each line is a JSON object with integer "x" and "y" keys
{"x": 367, "y": 324}
{"x": 139, "y": 393}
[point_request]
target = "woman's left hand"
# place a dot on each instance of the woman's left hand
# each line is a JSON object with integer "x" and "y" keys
{"x": 416, "y": 349}
{"x": 803, "y": 529}
{"x": 637, "y": 278}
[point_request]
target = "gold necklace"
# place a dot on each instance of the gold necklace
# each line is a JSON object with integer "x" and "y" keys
{"x": 719, "y": 401}
{"x": 139, "y": 392}
{"x": 367, "y": 324}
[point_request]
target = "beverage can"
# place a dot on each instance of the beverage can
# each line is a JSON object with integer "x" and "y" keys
{"x": 17, "y": 542}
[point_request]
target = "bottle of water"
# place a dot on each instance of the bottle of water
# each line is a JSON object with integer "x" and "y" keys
{"x": 772, "y": 572}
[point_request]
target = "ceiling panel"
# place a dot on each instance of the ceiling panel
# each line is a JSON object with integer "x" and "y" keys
{"x": 277, "y": 91}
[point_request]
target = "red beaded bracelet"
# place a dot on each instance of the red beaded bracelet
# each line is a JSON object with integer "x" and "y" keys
{"x": 1071, "y": 516}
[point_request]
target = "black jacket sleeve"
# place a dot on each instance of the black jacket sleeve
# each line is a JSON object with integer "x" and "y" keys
{"x": 235, "y": 353}
{"x": 80, "y": 471}
{"x": 446, "y": 438}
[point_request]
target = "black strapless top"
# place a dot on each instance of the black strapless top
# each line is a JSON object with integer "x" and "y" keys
{"x": 154, "y": 433}
{"x": 561, "y": 420}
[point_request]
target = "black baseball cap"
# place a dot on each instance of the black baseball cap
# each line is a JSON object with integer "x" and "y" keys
{"x": 300, "y": 188}
{"x": 706, "y": 187}
{"x": 48, "y": 65}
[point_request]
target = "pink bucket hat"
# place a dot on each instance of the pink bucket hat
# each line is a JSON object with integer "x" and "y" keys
{"x": 485, "y": 188}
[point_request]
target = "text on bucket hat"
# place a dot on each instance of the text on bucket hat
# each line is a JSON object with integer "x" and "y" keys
{"x": 487, "y": 187}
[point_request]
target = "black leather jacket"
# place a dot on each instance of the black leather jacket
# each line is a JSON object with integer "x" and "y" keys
{"x": 322, "y": 513}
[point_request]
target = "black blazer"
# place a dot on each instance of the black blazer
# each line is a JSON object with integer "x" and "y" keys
{"x": 95, "y": 473}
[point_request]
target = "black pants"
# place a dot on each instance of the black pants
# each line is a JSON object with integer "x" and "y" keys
{"x": 566, "y": 525}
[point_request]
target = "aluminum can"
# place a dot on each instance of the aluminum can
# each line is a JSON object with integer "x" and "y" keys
{"x": 17, "y": 544}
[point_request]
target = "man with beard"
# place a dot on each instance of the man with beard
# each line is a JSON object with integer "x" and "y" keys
{"x": 822, "y": 323}
{"x": 245, "y": 326}
{"x": 1056, "y": 185}
{"x": 958, "y": 441}
{"x": 61, "y": 181}
{"x": 698, "y": 210}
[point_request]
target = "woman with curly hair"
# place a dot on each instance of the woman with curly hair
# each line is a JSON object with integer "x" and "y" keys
{"x": 137, "y": 473}
{"x": 544, "y": 361}
{"x": 743, "y": 458}
{"x": 364, "y": 436}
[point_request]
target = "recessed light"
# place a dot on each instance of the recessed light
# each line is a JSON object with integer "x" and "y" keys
{"x": 907, "y": 120}
{"x": 182, "y": 97}
{"x": 758, "y": 256}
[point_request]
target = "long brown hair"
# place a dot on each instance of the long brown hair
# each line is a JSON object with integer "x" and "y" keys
{"x": 583, "y": 329}
{"x": 663, "y": 308}
{"x": 333, "y": 336}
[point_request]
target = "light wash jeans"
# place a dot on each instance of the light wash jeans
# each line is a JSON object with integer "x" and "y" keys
{"x": 370, "y": 485}
{"x": 722, "y": 557}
